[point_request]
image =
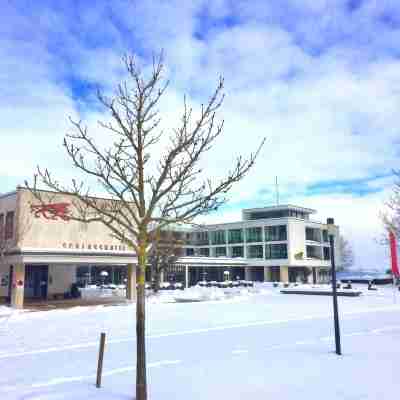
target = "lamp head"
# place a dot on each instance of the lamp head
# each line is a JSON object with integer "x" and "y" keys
{"x": 330, "y": 222}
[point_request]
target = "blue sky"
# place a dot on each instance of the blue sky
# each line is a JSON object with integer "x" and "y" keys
{"x": 319, "y": 78}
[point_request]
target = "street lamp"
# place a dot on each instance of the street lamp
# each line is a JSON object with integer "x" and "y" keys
{"x": 331, "y": 232}
{"x": 103, "y": 275}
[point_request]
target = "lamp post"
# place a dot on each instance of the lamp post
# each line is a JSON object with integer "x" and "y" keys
{"x": 226, "y": 275}
{"x": 331, "y": 232}
{"x": 103, "y": 275}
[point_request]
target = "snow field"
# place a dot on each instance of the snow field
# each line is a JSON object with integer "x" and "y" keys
{"x": 261, "y": 344}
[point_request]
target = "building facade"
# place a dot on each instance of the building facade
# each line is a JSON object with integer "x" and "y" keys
{"x": 279, "y": 243}
{"x": 43, "y": 252}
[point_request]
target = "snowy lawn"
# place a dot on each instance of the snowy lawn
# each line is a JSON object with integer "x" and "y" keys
{"x": 259, "y": 344}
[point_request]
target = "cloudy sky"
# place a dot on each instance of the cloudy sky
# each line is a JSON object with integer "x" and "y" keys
{"x": 320, "y": 79}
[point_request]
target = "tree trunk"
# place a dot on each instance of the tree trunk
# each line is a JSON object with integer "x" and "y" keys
{"x": 141, "y": 384}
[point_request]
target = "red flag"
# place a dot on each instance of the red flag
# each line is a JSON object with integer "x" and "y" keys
{"x": 393, "y": 254}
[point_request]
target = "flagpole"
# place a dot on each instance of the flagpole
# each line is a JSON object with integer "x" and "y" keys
{"x": 394, "y": 288}
{"x": 394, "y": 261}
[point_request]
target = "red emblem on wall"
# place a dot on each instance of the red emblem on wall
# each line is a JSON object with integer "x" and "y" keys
{"x": 52, "y": 211}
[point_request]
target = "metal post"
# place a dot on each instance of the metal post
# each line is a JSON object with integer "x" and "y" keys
{"x": 100, "y": 361}
{"x": 334, "y": 292}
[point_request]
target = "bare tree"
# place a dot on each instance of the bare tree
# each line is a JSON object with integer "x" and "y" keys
{"x": 166, "y": 247}
{"x": 346, "y": 254}
{"x": 149, "y": 188}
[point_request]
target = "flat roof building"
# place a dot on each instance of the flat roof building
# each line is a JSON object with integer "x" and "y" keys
{"x": 43, "y": 252}
{"x": 279, "y": 243}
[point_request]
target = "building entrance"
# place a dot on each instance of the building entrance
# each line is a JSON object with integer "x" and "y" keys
{"x": 36, "y": 281}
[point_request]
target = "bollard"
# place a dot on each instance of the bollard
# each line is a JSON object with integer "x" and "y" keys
{"x": 100, "y": 360}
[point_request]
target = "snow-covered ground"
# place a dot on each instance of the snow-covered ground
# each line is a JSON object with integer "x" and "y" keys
{"x": 258, "y": 344}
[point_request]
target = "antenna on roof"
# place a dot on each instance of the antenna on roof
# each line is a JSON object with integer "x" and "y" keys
{"x": 277, "y": 190}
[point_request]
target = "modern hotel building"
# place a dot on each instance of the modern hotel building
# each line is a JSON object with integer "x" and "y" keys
{"x": 278, "y": 243}
{"x": 44, "y": 252}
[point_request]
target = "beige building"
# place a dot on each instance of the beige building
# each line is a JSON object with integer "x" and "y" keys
{"x": 44, "y": 252}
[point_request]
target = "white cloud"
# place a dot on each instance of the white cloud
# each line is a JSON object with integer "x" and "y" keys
{"x": 328, "y": 114}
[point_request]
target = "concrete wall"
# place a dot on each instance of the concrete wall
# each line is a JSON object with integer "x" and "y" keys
{"x": 296, "y": 241}
{"x": 8, "y": 203}
{"x": 46, "y": 233}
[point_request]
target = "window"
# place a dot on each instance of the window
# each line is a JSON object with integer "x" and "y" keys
{"x": 276, "y": 251}
{"x": 204, "y": 251}
{"x": 190, "y": 251}
{"x": 327, "y": 253}
{"x": 202, "y": 238}
{"x": 82, "y": 276}
{"x": 254, "y": 234}
{"x": 255, "y": 251}
{"x": 220, "y": 251}
{"x": 268, "y": 214}
{"x": 313, "y": 234}
{"x": 325, "y": 235}
{"x": 274, "y": 233}
{"x": 313, "y": 252}
{"x": 235, "y": 236}
{"x": 9, "y": 230}
{"x": 237, "y": 251}
{"x": 1, "y": 226}
{"x": 218, "y": 237}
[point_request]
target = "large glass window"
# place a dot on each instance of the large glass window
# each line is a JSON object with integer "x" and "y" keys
{"x": 237, "y": 251}
{"x": 276, "y": 251}
{"x": 255, "y": 251}
{"x": 202, "y": 238}
{"x": 9, "y": 230}
{"x": 313, "y": 234}
{"x": 235, "y": 236}
{"x": 313, "y": 252}
{"x": 190, "y": 251}
{"x": 204, "y": 251}
{"x": 220, "y": 251}
{"x": 218, "y": 237}
{"x": 298, "y": 214}
{"x": 274, "y": 233}
{"x": 83, "y": 276}
{"x": 254, "y": 234}
{"x": 269, "y": 214}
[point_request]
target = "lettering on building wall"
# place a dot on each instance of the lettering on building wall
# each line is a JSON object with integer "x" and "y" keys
{"x": 92, "y": 246}
{"x": 52, "y": 211}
